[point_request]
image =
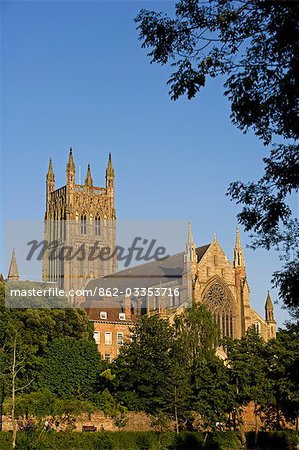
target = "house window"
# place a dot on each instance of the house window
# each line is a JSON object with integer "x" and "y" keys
{"x": 103, "y": 315}
{"x": 108, "y": 338}
{"x": 122, "y": 316}
{"x": 108, "y": 357}
{"x": 215, "y": 260}
{"x": 83, "y": 224}
{"x": 96, "y": 336}
{"x": 120, "y": 338}
{"x": 97, "y": 226}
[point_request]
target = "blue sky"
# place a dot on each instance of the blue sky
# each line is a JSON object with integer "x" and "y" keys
{"x": 74, "y": 74}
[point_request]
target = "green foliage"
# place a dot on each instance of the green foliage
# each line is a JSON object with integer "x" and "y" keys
{"x": 145, "y": 440}
{"x": 37, "y": 404}
{"x": 71, "y": 367}
{"x": 41, "y": 404}
{"x": 36, "y": 329}
{"x": 197, "y": 332}
{"x": 283, "y": 372}
{"x": 274, "y": 439}
{"x": 248, "y": 368}
{"x": 107, "y": 403}
{"x": 145, "y": 369}
{"x": 223, "y": 441}
{"x": 213, "y": 395}
{"x": 188, "y": 440}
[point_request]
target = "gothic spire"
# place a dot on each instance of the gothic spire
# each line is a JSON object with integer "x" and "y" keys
{"x": 70, "y": 169}
{"x": 190, "y": 239}
{"x": 13, "y": 273}
{"x": 269, "y": 308}
{"x": 88, "y": 179}
{"x": 110, "y": 169}
{"x": 50, "y": 174}
{"x": 238, "y": 252}
{"x": 70, "y": 165}
{"x": 190, "y": 252}
{"x": 269, "y": 303}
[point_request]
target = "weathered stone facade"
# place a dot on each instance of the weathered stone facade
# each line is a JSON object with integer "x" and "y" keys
{"x": 204, "y": 273}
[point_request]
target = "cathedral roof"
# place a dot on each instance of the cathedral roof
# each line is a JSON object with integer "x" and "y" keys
{"x": 146, "y": 275}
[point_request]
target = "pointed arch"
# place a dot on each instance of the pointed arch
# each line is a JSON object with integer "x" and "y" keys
{"x": 219, "y": 300}
{"x": 83, "y": 223}
{"x": 97, "y": 225}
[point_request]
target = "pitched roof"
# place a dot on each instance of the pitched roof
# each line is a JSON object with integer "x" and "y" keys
{"x": 93, "y": 311}
{"x": 145, "y": 275}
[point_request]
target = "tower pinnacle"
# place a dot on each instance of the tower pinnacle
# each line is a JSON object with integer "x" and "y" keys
{"x": 269, "y": 309}
{"x": 13, "y": 273}
{"x": 70, "y": 168}
{"x": 50, "y": 174}
{"x": 190, "y": 252}
{"x": 88, "y": 179}
{"x": 238, "y": 252}
{"x": 110, "y": 169}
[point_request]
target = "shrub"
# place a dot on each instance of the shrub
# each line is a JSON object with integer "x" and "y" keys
{"x": 223, "y": 440}
{"x": 273, "y": 440}
{"x": 189, "y": 440}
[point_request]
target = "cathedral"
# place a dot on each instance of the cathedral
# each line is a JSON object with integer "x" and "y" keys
{"x": 83, "y": 216}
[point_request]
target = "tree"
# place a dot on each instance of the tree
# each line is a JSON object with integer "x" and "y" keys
{"x": 212, "y": 397}
{"x": 17, "y": 366}
{"x": 37, "y": 328}
{"x": 254, "y": 46}
{"x": 283, "y": 371}
{"x": 150, "y": 373}
{"x": 71, "y": 368}
{"x": 247, "y": 359}
{"x": 198, "y": 332}
{"x": 171, "y": 371}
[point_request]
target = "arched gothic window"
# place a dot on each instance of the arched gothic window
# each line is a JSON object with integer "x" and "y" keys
{"x": 83, "y": 224}
{"x": 219, "y": 301}
{"x": 97, "y": 226}
{"x": 257, "y": 327}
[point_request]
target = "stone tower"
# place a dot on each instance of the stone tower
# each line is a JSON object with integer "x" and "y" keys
{"x": 80, "y": 220}
{"x": 269, "y": 317}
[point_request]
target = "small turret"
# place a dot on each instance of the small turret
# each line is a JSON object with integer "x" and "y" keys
{"x": 190, "y": 252}
{"x": 269, "y": 309}
{"x": 13, "y": 273}
{"x": 70, "y": 169}
{"x": 50, "y": 183}
{"x": 110, "y": 173}
{"x": 50, "y": 174}
{"x": 239, "y": 260}
{"x": 88, "y": 179}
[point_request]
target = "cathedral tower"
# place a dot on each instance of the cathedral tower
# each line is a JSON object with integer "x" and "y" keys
{"x": 242, "y": 288}
{"x": 79, "y": 219}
